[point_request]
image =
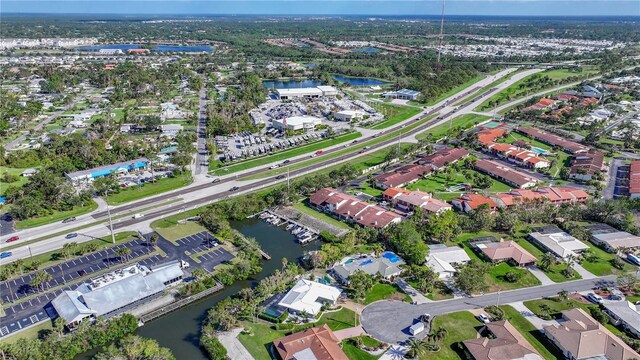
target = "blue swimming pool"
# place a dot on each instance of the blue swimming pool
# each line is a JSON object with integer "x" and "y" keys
{"x": 391, "y": 257}
{"x": 538, "y": 150}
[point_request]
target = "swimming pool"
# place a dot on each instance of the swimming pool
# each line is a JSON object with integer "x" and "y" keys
{"x": 538, "y": 150}
{"x": 393, "y": 258}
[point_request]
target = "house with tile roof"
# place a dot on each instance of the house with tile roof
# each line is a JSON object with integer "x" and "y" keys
{"x": 312, "y": 344}
{"x": 508, "y": 251}
{"x": 443, "y": 157}
{"x": 581, "y": 337}
{"x": 505, "y": 174}
{"x": 470, "y": 202}
{"x": 587, "y": 164}
{"x": 520, "y": 156}
{"x": 552, "y": 139}
{"x": 407, "y": 201}
{"x": 402, "y": 176}
{"x": 503, "y": 343}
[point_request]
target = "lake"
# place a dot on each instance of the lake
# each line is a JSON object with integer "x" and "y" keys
{"x": 368, "y": 50}
{"x": 359, "y": 81}
{"x": 125, "y": 47}
{"x": 291, "y": 84}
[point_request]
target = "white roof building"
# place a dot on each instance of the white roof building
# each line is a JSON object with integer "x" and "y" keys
{"x": 309, "y": 296}
{"x": 296, "y": 123}
{"x": 311, "y": 92}
{"x": 624, "y": 313}
{"x": 558, "y": 242}
{"x": 348, "y": 115}
{"x": 442, "y": 259}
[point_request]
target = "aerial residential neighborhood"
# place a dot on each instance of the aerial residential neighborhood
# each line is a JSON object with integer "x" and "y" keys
{"x": 320, "y": 180}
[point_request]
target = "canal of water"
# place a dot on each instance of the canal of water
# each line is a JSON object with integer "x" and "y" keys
{"x": 180, "y": 330}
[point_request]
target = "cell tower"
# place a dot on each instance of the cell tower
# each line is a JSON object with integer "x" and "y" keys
{"x": 441, "y": 37}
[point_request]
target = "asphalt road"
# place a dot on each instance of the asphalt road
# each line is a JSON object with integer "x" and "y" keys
{"x": 389, "y": 321}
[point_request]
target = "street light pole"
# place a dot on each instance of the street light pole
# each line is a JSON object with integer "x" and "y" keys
{"x": 113, "y": 237}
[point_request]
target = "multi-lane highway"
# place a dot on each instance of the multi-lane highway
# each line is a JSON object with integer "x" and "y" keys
{"x": 203, "y": 192}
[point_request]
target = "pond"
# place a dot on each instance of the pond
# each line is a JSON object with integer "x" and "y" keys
{"x": 291, "y": 84}
{"x": 367, "y": 50}
{"x": 180, "y": 330}
{"x": 125, "y": 47}
{"x": 359, "y": 81}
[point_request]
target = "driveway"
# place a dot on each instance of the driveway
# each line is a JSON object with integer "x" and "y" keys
{"x": 531, "y": 317}
{"x": 349, "y": 333}
{"x": 389, "y": 321}
{"x": 416, "y": 296}
{"x": 540, "y": 275}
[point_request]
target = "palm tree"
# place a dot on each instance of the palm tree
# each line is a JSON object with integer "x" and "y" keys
{"x": 563, "y": 295}
{"x": 547, "y": 260}
{"x": 198, "y": 273}
{"x": 154, "y": 239}
{"x": 377, "y": 249}
{"x": 416, "y": 348}
{"x": 285, "y": 262}
{"x": 39, "y": 279}
{"x": 123, "y": 253}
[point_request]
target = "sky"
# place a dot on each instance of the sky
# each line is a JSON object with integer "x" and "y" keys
{"x": 329, "y": 7}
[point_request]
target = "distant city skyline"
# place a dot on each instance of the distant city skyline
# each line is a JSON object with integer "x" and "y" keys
{"x": 328, "y": 7}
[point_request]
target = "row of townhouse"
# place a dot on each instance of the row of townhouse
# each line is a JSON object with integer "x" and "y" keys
{"x": 407, "y": 201}
{"x": 634, "y": 179}
{"x": 351, "y": 209}
{"x": 554, "y": 195}
{"x": 407, "y": 174}
{"x": 522, "y": 157}
{"x": 505, "y": 174}
{"x": 585, "y": 162}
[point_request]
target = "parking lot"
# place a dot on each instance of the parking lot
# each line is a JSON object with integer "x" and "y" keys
{"x": 246, "y": 145}
{"x": 621, "y": 185}
{"x": 71, "y": 270}
{"x": 203, "y": 242}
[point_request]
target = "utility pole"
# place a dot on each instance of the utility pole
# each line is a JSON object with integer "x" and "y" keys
{"x": 113, "y": 237}
{"x": 30, "y": 254}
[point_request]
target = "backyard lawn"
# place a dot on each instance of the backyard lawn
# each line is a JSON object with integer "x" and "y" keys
{"x": 460, "y": 326}
{"x": 393, "y": 113}
{"x": 384, "y": 292}
{"x": 354, "y": 353}
{"x": 531, "y": 334}
{"x": 438, "y": 185}
{"x": 555, "y": 306}
{"x": 149, "y": 189}
{"x": 20, "y": 180}
{"x": 304, "y": 208}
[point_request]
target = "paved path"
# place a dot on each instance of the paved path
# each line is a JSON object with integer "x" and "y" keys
{"x": 540, "y": 275}
{"x": 583, "y": 272}
{"x": 349, "y": 333}
{"x": 235, "y": 349}
{"x": 416, "y": 296}
{"x": 531, "y": 317}
{"x": 389, "y": 321}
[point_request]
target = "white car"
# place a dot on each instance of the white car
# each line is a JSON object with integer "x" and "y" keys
{"x": 595, "y": 298}
{"x": 483, "y": 318}
{"x": 138, "y": 216}
{"x": 274, "y": 167}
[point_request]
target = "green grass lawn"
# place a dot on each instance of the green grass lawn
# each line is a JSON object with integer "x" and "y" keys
{"x": 460, "y": 326}
{"x": 149, "y": 189}
{"x": 21, "y": 180}
{"x": 393, "y": 114}
{"x": 437, "y": 184}
{"x": 262, "y": 337}
{"x": 385, "y": 291}
{"x": 531, "y": 334}
{"x": 603, "y": 262}
{"x": 496, "y": 280}
{"x": 440, "y": 291}
{"x": 304, "y": 208}
{"x": 556, "y": 306}
{"x": 28, "y": 334}
{"x": 368, "y": 189}
{"x": 179, "y": 231}
{"x": 555, "y": 271}
{"x": 521, "y": 88}
{"x": 218, "y": 168}
{"x": 354, "y": 353}
{"x": 464, "y": 122}
{"x": 455, "y": 90}
{"x": 490, "y": 86}
{"x": 56, "y": 216}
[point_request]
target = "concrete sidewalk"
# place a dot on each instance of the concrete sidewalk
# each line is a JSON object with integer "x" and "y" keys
{"x": 235, "y": 349}
{"x": 540, "y": 275}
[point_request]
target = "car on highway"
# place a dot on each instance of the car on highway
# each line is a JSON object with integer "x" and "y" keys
{"x": 594, "y": 298}
{"x": 234, "y": 188}
{"x": 281, "y": 176}
{"x": 319, "y": 152}
{"x": 5, "y": 254}
{"x": 216, "y": 180}
{"x": 274, "y": 166}
{"x": 71, "y": 236}
{"x": 138, "y": 216}
{"x": 69, "y": 219}
{"x": 483, "y": 318}
{"x": 361, "y": 152}
{"x": 354, "y": 141}
{"x": 13, "y": 238}
{"x": 286, "y": 162}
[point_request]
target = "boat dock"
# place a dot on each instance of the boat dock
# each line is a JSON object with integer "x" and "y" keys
{"x": 303, "y": 233}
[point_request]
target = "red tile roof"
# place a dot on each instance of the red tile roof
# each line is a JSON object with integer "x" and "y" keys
{"x": 354, "y": 209}
{"x": 403, "y": 175}
{"x": 443, "y": 157}
{"x": 506, "y": 250}
{"x": 590, "y": 162}
{"x": 320, "y": 340}
{"x": 634, "y": 177}
{"x": 474, "y": 201}
{"x": 486, "y": 136}
{"x": 553, "y": 139}
{"x": 504, "y": 173}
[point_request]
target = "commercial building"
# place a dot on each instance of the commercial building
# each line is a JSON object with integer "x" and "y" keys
{"x": 87, "y": 176}
{"x": 309, "y": 93}
{"x": 443, "y": 260}
{"x": 309, "y": 296}
{"x": 505, "y": 174}
{"x": 624, "y": 314}
{"x": 581, "y": 337}
{"x": 503, "y": 343}
{"x": 386, "y": 265}
{"x": 612, "y": 239}
{"x": 115, "y": 292}
{"x": 295, "y": 123}
{"x": 558, "y": 242}
{"x": 634, "y": 179}
{"x": 348, "y": 115}
{"x": 351, "y": 209}
{"x": 317, "y": 343}
{"x": 407, "y": 200}
{"x": 403, "y": 94}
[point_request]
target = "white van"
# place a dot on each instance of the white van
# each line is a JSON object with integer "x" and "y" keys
{"x": 138, "y": 216}
{"x": 416, "y": 328}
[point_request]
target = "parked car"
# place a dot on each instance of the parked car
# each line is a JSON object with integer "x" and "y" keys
{"x": 425, "y": 318}
{"x": 5, "y": 254}
{"x": 594, "y": 298}
{"x": 483, "y": 318}
{"x": 274, "y": 166}
{"x": 71, "y": 236}
{"x": 319, "y": 152}
{"x": 13, "y": 238}
{"x": 69, "y": 219}
{"x": 616, "y": 297}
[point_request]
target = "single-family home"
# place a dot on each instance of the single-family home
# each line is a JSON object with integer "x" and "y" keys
{"x": 443, "y": 259}
{"x": 309, "y": 297}
{"x": 510, "y": 251}
{"x": 612, "y": 239}
{"x": 558, "y": 242}
{"x": 624, "y": 314}
{"x": 312, "y": 344}
{"x": 387, "y": 265}
{"x": 503, "y": 342}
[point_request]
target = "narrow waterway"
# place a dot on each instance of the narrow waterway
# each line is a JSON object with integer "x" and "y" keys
{"x": 180, "y": 330}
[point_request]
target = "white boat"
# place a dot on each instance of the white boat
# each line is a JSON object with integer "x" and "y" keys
{"x": 290, "y": 226}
